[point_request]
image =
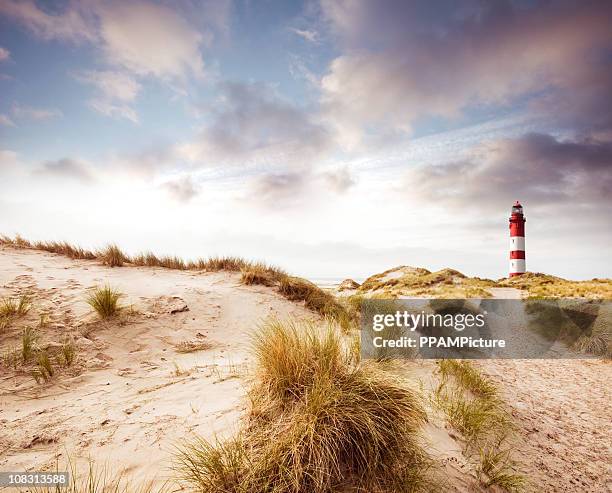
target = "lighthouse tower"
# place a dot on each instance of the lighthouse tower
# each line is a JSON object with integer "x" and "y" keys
{"x": 517, "y": 240}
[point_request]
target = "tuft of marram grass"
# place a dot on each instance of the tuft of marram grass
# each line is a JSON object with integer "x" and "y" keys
{"x": 319, "y": 422}
{"x": 44, "y": 367}
{"x": 497, "y": 469}
{"x": 11, "y": 307}
{"x": 68, "y": 352}
{"x": 261, "y": 274}
{"x": 29, "y": 340}
{"x": 105, "y": 301}
{"x": 112, "y": 256}
{"x": 99, "y": 479}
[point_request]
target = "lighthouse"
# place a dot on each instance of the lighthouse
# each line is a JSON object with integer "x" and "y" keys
{"x": 517, "y": 240}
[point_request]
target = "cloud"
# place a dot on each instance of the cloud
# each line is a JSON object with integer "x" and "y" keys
{"x": 73, "y": 25}
{"x": 146, "y": 38}
{"x": 21, "y": 112}
{"x": 403, "y": 61}
{"x": 536, "y": 168}
{"x": 67, "y": 168}
{"x": 150, "y": 39}
{"x": 6, "y": 121}
{"x": 307, "y": 34}
{"x": 283, "y": 189}
{"x": 340, "y": 180}
{"x": 4, "y": 54}
{"x": 181, "y": 190}
{"x": 116, "y": 91}
{"x": 251, "y": 123}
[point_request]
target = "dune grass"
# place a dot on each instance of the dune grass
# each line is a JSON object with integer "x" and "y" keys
{"x": 192, "y": 346}
{"x": 29, "y": 340}
{"x": 44, "y": 368}
{"x": 318, "y": 422}
{"x": 262, "y": 274}
{"x": 112, "y": 256}
{"x": 68, "y": 352}
{"x": 98, "y": 479}
{"x": 105, "y": 301}
{"x": 540, "y": 285}
{"x": 473, "y": 407}
{"x": 10, "y": 307}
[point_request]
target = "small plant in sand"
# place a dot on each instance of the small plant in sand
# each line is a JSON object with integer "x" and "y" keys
{"x": 68, "y": 352}
{"x": 11, "y": 358}
{"x": 105, "y": 301}
{"x": 496, "y": 469}
{"x": 192, "y": 346}
{"x": 112, "y": 256}
{"x": 318, "y": 423}
{"x": 44, "y": 366}
{"x": 29, "y": 340}
{"x": 10, "y": 307}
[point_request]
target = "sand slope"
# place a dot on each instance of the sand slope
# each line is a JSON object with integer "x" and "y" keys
{"x": 129, "y": 405}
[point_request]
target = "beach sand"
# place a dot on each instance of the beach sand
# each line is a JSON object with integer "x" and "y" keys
{"x": 131, "y": 398}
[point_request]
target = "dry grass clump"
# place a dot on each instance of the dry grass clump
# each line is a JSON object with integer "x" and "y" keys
{"x": 316, "y": 299}
{"x": 261, "y": 274}
{"x": 65, "y": 248}
{"x": 105, "y": 301}
{"x": 29, "y": 340}
{"x": 319, "y": 422}
{"x": 11, "y": 307}
{"x": 192, "y": 346}
{"x": 112, "y": 256}
{"x": 98, "y": 479}
{"x": 147, "y": 259}
{"x": 474, "y": 408}
{"x": 232, "y": 264}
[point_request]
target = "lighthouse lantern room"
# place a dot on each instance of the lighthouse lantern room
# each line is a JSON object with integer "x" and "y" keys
{"x": 517, "y": 240}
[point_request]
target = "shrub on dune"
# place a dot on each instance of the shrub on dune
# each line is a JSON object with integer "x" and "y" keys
{"x": 319, "y": 422}
{"x": 105, "y": 301}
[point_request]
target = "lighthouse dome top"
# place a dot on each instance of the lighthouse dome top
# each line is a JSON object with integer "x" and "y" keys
{"x": 517, "y": 208}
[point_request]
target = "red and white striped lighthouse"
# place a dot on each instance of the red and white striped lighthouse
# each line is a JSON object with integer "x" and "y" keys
{"x": 517, "y": 240}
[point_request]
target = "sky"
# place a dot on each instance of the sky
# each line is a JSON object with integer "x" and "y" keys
{"x": 333, "y": 138}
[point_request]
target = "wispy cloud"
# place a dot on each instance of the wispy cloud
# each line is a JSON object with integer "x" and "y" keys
{"x": 6, "y": 121}
{"x": 68, "y": 168}
{"x": 4, "y": 54}
{"x": 116, "y": 92}
{"x": 307, "y": 34}
{"x": 22, "y": 112}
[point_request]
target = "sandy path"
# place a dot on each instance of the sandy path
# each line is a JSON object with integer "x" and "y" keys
{"x": 563, "y": 409}
{"x": 129, "y": 407}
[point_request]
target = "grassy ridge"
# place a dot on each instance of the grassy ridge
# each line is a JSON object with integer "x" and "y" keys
{"x": 293, "y": 288}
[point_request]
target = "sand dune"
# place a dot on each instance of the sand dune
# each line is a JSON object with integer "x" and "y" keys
{"x": 132, "y": 395}
{"x": 128, "y": 405}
